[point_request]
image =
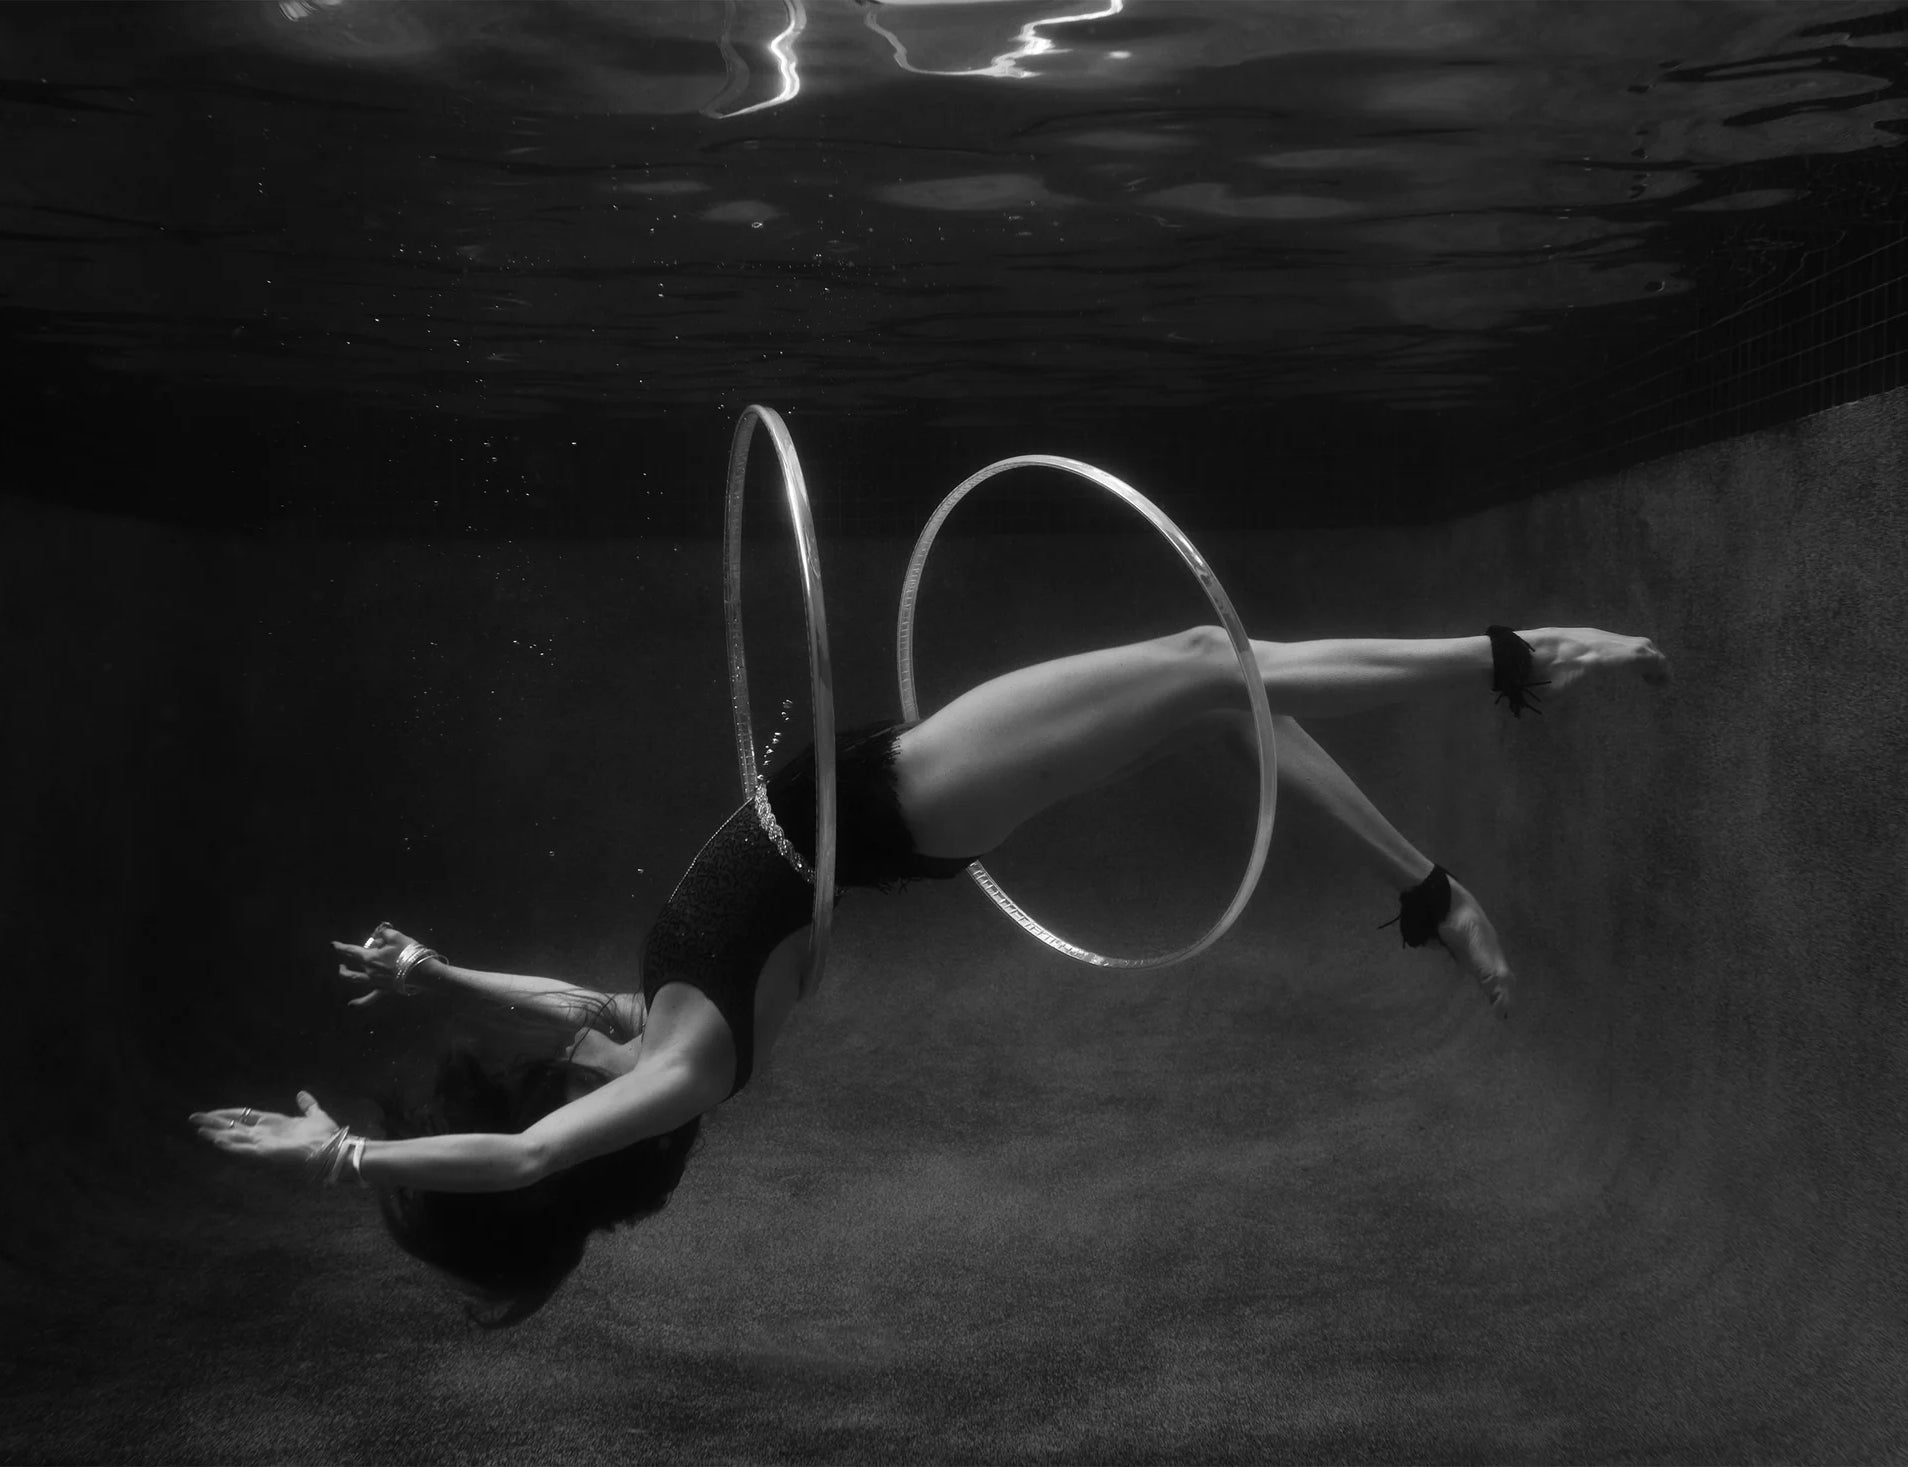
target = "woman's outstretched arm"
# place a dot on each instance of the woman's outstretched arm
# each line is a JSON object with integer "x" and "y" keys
{"x": 567, "y": 1004}
{"x": 655, "y": 1098}
{"x": 478, "y": 1161}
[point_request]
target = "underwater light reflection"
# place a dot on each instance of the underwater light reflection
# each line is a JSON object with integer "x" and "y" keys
{"x": 1029, "y": 42}
{"x": 782, "y": 48}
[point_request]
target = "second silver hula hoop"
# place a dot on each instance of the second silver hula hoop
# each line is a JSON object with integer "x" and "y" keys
{"x": 1241, "y": 646}
{"x": 820, "y": 673}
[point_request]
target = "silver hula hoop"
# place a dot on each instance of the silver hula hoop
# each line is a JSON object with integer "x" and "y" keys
{"x": 1241, "y": 646}
{"x": 820, "y": 673}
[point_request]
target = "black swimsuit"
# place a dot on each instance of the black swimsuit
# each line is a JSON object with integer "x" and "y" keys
{"x": 740, "y": 896}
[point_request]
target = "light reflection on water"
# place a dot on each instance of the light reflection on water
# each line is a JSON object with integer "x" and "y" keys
{"x": 502, "y": 207}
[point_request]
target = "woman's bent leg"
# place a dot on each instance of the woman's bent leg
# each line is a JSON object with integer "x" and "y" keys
{"x": 1305, "y": 769}
{"x": 1308, "y": 773}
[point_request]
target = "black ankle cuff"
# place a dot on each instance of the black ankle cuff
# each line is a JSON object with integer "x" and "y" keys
{"x": 1512, "y": 662}
{"x": 1422, "y": 908}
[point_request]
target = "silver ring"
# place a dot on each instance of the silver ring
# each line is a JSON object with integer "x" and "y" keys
{"x": 245, "y": 1116}
{"x": 372, "y": 940}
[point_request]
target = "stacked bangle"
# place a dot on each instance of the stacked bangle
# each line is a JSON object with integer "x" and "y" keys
{"x": 328, "y": 1160}
{"x": 327, "y": 1164}
{"x": 407, "y": 963}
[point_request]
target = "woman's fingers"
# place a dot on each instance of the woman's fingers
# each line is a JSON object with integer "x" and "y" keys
{"x": 229, "y": 1117}
{"x": 308, "y": 1105}
{"x": 233, "y": 1128}
{"x": 359, "y": 977}
{"x": 361, "y": 954}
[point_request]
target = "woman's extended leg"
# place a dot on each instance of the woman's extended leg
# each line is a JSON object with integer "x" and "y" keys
{"x": 1000, "y": 753}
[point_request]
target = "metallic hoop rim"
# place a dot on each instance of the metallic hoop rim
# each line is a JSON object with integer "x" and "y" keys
{"x": 820, "y": 672}
{"x": 1241, "y": 646}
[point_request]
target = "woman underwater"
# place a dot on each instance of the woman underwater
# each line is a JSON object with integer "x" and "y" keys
{"x": 502, "y": 1182}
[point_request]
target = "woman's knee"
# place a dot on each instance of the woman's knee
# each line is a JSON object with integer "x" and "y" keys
{"x": 1219, "y": 672}
{"x": 1202, "y": 645}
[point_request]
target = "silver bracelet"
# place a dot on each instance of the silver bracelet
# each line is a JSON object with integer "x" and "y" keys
{"x": 408, "y": 961}
{"x": 338, "y": 1157}
{"x": 355, "y": 1150}
{"x": 320, "y": 1165}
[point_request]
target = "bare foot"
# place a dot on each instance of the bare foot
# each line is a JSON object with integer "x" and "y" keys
{"x": 1565, "y": 654}
{"x": 1468, "y": 936}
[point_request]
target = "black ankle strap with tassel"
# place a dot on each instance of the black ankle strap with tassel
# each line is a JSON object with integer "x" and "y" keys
{"x": 1422, "y": 908}
{"x": 1512, "y": 662}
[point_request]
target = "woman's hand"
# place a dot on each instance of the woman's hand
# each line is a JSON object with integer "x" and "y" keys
{"x": 376, "y": 959}
{"x": 264, "y": 1136}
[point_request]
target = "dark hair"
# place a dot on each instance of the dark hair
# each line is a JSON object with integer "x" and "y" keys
{"x": 514, "y": 1249}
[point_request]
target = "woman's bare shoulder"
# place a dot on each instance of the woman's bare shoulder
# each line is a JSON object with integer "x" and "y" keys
{"x": 686, "y": 1026}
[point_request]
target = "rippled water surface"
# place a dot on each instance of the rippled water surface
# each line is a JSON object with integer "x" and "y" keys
{"x": 959, "y": 210}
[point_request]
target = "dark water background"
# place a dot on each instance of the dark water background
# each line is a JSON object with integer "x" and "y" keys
{"x": 371, "y": 371}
